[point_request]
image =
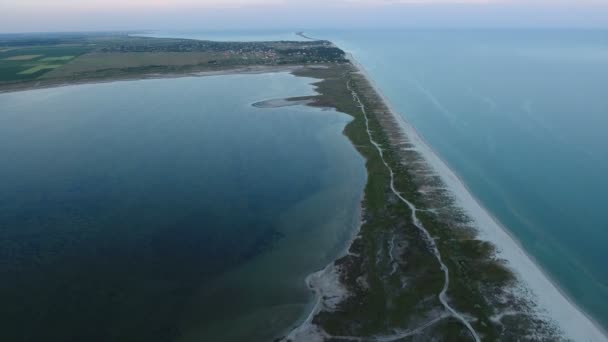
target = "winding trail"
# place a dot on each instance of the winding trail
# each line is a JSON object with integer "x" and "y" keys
{"x": 416, "y": 221}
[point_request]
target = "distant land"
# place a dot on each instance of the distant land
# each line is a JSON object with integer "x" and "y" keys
{"x": 416, "y": 269}
{"x": 35, "y": 61}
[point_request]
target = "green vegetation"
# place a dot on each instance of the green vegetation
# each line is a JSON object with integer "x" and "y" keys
{"x": 26, "y": 63}
{"x": 392, "y": 276}
{"x": 378, "y": 304}
{"x": 37, "y": 60}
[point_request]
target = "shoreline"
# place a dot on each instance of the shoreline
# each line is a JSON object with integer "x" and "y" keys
{"x": 251, "y": 70}
{"x": 573, "y": 321}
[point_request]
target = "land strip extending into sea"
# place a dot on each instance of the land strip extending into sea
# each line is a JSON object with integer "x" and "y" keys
{"x": 428, "y": 262}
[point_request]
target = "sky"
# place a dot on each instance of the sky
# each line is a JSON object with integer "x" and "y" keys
{"x": 91, "y": 15}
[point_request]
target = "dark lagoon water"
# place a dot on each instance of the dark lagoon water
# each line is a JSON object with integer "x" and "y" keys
{"x": 168, "y": 209}
{"x": 521, "y": 116}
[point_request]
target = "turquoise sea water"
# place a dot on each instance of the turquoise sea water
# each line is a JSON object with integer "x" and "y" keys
{"x": 168, "y": 209}
{"x": 522, "y": 117}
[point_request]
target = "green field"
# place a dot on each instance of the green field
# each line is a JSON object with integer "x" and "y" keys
{"x": 38, "y": 68}
{"x": 28, "y": 63}
{"x": 391, "y": 272}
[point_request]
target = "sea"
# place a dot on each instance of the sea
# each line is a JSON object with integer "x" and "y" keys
{"x": 169, "y": 209}
{"x": 520, "y": 116}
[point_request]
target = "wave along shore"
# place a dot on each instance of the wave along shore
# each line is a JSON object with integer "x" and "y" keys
{"x": 546, "y": 311}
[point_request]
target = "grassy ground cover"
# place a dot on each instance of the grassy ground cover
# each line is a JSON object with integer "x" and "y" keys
{"x": 38, "y": 68}
{"x": 392, "y": 276}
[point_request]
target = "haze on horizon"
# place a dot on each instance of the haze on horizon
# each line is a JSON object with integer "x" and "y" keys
{"x": 75, "y": 15}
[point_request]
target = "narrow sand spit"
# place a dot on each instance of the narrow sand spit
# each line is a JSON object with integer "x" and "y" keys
{"x": 418, "y": 224}
{"x": 551, "y": 301}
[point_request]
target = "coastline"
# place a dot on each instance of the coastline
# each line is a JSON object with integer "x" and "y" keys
{"x": 570, "y": 318}
{"x": 290, "y": 291}
{"x": 260, "y": 69}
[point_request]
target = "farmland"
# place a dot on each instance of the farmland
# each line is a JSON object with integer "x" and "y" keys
{"x": 28, "y": 61}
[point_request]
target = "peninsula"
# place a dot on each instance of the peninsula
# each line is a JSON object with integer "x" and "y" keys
{"x": 42, "y": 60}
{"x": 417, "y": 269}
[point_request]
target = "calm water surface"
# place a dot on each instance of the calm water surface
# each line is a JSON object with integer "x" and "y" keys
{"x": 168, "y": 209}
{"x": 521, "y": 116}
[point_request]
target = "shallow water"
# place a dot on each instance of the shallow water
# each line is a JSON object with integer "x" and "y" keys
{"x": 156, "y": 209}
